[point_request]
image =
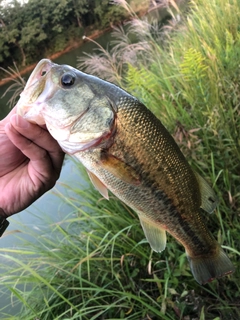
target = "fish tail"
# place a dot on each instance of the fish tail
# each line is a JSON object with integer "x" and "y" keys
{"x": 207, "y": 268}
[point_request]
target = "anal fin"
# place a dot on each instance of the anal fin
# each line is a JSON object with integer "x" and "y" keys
{"x": 156, "y": 236}
{"x": 98, "y": 184}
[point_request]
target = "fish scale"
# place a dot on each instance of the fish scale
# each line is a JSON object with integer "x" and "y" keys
{"x": 127, "y": 150}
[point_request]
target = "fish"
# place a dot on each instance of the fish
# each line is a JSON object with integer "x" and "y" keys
{"x": 126, "y": 149}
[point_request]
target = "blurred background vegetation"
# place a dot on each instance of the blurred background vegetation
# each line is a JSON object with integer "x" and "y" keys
{"x": 96, "y": 263}
{"x": 38, "y": 28}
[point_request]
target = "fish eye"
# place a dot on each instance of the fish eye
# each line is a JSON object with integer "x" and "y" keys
{"x": 67, "y": 80}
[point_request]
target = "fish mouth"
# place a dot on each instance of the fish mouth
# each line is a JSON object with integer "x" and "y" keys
{"x": 36, "y": 91}
{"x": 42, "y": 68}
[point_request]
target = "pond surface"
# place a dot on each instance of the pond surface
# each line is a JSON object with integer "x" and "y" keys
{"x": 49, "y": 204}
{"x": 67, "y": 174}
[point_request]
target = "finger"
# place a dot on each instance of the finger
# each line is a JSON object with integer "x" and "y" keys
{"x": 26, "y": 146}
{"x": 33, "y": 132}
{"x": 40, "y": 166}
{"x": 40, "y": 137}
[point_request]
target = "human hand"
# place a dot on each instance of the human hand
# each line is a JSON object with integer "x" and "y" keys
{"x": 30, "y": 163}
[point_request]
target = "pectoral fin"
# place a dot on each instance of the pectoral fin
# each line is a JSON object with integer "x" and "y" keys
{"x": 98, "y": 185}
{"x": 119, "y": 169}
{"x": 156, "y": 236}
{"x": 208, "y": 196}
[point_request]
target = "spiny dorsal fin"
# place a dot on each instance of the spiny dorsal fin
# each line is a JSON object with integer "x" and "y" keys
{"x": 98, "y": 184}
{"x": 208, "y": 196}
{"x": 156, "y": 236}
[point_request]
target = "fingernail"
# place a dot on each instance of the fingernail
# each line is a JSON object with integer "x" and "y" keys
{"x": 18, "y": 121}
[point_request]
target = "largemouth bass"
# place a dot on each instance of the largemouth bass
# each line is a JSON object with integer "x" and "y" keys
{"x": 127, "y": 150}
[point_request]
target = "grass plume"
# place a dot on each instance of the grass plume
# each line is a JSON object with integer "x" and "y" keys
{"x": 16, "y": 87}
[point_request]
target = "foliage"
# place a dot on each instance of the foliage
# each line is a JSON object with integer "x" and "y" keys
{"x": 49, "y": 26}
{"x": 96, "y": 263}
{"x": 133, "y": 44}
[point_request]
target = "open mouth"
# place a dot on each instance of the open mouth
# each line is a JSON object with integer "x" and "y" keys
{"x": 42, "y": 68}
{"x": 35, "y": 85}
{"x": 36, "y": 91}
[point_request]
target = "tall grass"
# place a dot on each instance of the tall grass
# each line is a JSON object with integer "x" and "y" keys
{"x": 96, "y": 264}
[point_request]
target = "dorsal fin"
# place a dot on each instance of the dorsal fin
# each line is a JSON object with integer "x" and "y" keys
{"x": 98, "y": 184}
{"x": 208, "y": 196}
{"x": 156, "y": 236}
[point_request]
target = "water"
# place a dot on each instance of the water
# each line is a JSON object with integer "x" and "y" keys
{"x": 48, "y": 204}
{"x": 46, "y": 210}
{"x": 66, "y": 174}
